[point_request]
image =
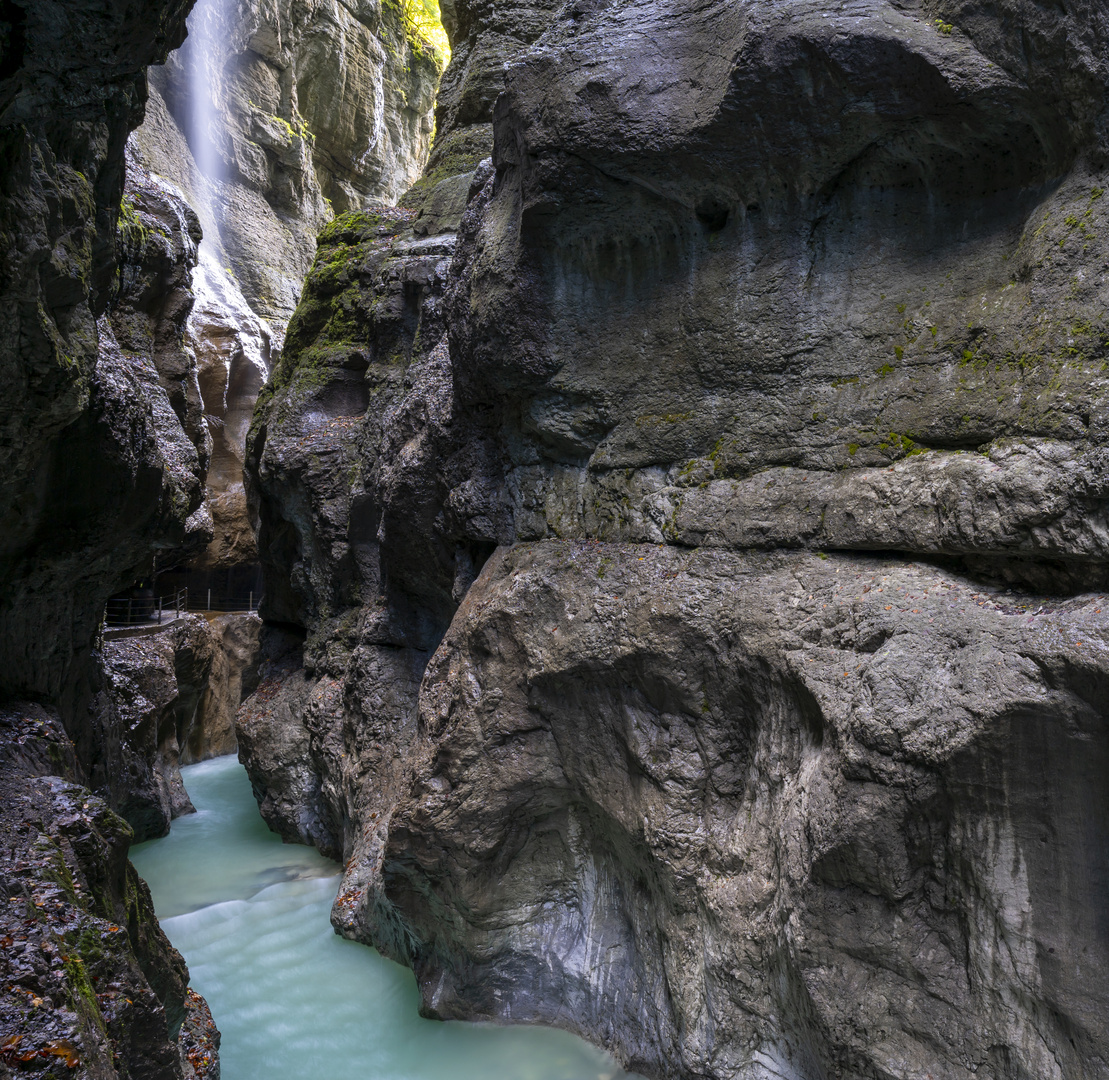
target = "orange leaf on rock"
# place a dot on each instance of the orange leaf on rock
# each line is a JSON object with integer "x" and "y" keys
{"x": 63, "y": 1049}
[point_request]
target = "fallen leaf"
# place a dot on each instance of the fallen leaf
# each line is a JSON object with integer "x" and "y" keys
{"x": 63, "y": 1049}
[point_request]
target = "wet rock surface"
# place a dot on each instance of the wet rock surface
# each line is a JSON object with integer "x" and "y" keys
{"x": 763, "y": 815}
{"x": 153, "y": 686}
{"x": 311, "y": 109}
{"x": 768, "y": 741}
{"x": 269, "y": 120}
{"x": 484, "y": 39}
{"x": 89, "y": 984}
{"x": 232, "y": 350}
{"x": 660, "y": 298}
{"x": 199, "y": 1040}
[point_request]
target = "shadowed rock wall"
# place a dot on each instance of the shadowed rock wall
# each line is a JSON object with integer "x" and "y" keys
{"x": 98, "y": 471}
{"x": 102, "y": 465}
{"x": 767, "y": 743}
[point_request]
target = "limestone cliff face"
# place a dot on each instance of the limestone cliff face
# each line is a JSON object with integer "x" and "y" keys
{"x": 168, "y": 698}
{"x": 768, "y": 741}
{"x": 271, "y": 118}
{"x": 274, "y": 116}
{"x": 762, "y": 815}
{"x": 366, "y": 372}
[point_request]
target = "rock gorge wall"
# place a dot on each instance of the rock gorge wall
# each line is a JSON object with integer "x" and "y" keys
{"x": 273, "y": 116}
{"x": 700, "y": 543}
{"x": 269, "y": 119}
{"x": 103, "y": 458}
{"x": 126, "y": 408}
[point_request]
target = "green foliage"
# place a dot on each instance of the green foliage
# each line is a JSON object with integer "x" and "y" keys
{"x": 423, "y": 29}
{"x": 897, "y": 445}
{"x": 652, "y": 419}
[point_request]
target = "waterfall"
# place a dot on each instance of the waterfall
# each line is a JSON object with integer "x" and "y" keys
{"x": 203, "y": 55}
{"x": 228, "y": 336}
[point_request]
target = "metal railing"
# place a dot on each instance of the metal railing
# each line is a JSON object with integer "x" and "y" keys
{"x": 206, "y": 600}
{"x": 141, "y": 610}
{"x": 135, "y": 610}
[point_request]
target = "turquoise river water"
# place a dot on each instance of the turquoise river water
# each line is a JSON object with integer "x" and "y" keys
{"x": 292, "y": 999}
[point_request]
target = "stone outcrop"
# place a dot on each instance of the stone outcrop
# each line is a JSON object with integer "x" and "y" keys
{"x": 168, "y": 699}
{"x": 236, "y": 654}
{"x": 762, "y": 814}
{"x": 767, "y": 743}
{"x": 90, "y": 985}
{"x": 98, "y": 470}
{"x": 158, "y": 238}
{"x": 484, "y": 38}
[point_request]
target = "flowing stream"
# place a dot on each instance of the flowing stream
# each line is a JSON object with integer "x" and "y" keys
{"x": 292, "y": 999}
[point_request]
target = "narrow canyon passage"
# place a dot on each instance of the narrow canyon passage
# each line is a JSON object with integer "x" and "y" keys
{"x": 632, "y": 484}
{"x": 293, "y": 1000}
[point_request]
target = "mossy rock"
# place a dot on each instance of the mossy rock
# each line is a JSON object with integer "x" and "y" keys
{"x": 360, "y": 226}
{"x": 460, "y": 151}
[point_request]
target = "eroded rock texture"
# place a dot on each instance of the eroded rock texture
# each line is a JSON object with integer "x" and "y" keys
{"x": 764, "y": 815}
{"x": 154, "y": 684}
{"x": 484, "y": 38}
{"x": 236, "y": 654}
{"x": 90, "y": 983}
{"x": 102, "y": 462}
{"x": 769, "y": 742}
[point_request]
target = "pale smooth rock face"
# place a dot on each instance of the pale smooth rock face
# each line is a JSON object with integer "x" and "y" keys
{"x": 770, "y": 741}
{"x": 274, "y": 116}
{"x": 232, "y": 350}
